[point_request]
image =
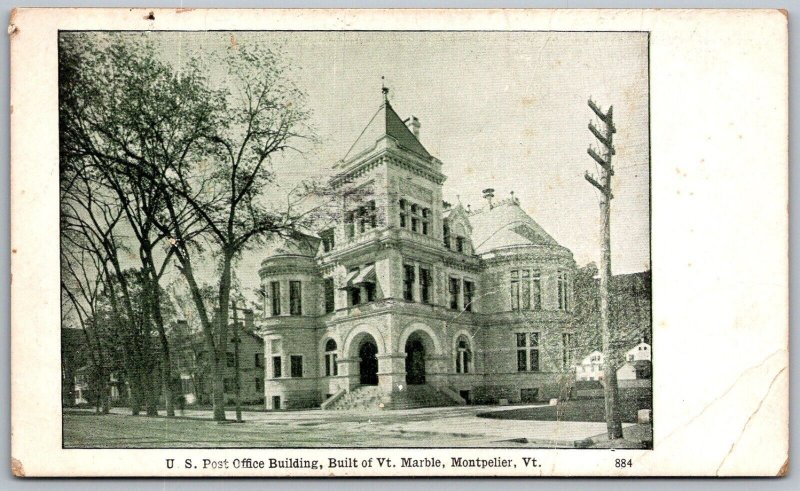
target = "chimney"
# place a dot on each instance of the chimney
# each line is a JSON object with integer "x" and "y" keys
{"x": 488, "y": 194}
{"x": 414, "y": 125}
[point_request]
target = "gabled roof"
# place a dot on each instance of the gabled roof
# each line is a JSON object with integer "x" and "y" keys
{"x": 506, "y": 225}
{"x": 386, "y": 122}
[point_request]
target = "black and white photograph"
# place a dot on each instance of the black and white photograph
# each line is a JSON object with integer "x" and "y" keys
{"x": 355, "y": 239}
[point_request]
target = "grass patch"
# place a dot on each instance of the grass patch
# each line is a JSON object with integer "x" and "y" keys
{"x": 588, "y": 410}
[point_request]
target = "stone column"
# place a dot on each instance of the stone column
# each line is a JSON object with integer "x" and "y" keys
{"x": 349, "y": 372}
{"x": 391, "y": 371}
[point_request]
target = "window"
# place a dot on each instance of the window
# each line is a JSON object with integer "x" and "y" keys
{"x": 355, "y": 292}
{"x": 408, "y": 282}
{"x": 460, "y": 244}
{"x": 403, "y": 214}
{"x": 331, "y": 368}
{"x": 463, "y": 355}
{"x": 426, "y": 217}
{"x": 296, "y": 362}
{"x": 349, "y": 224}
{"x": 425, "y": 282}
{"x": 327, "y": 240}
{"x": 537, "y": 290}
{"x": 228, "y": 385}
{"x": 276, "y": 297}
{"x": 446, "y": 235}
{"x": 259, "y": 360}
{"x": 525, "y": 289}
{"x": 527, "y": 351}
{"x": 414, "y": 218}
{"x": 563, "y": 294}
{"x": 230, "y": 360}
{"x": 567, "y": 349}
{"x": 514, "y": 289}
{"x": 259, "y": 385}
{"x": 276, "y": 367}
{"x": 362, "y": 219}
{"x": 373, "y": 214}
{"x": 469, "y": 293}
{"x": 295, "y": 298}
{"x": 329, "y": 296}
{"x": 455, "y": 289}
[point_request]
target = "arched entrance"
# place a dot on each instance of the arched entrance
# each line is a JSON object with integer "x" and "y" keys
{"x": 415, "y": 360}
{"x": 368, "y": 364}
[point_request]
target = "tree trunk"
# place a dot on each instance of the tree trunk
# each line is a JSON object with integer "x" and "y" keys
{"x": 221, "y": 320}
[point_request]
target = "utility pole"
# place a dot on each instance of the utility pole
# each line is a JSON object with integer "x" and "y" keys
{"x": 237, "y": 378}
{"x": 610, "y": 391}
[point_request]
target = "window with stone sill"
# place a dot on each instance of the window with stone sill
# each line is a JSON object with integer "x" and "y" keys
{"x": 527, "y": 351}
{"x": 296, "y": 366}
{"x": 331, "y": 367}
{"x": 463, "y": 355}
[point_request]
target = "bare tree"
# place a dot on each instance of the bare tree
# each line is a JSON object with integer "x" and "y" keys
{"x": 227, "y": 190}
{"x": 124, "y": 114}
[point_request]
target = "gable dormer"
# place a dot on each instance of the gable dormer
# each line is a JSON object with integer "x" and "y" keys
{"x": 456, "y": 230}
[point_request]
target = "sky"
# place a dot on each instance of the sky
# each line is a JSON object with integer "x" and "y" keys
{"x": 502, "y": 110}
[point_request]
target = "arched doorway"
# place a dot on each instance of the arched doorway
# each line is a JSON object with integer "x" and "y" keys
{"x": 368, "y": 364}
{"x": 415, "y": 360}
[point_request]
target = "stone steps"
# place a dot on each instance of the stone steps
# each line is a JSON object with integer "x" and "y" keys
{"x": 371, "y": 397}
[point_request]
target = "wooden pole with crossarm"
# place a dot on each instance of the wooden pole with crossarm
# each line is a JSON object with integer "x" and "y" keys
{"x": 611, "y": 392}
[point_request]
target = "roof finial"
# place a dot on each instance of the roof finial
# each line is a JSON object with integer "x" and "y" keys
{"x": 384, "y": 89}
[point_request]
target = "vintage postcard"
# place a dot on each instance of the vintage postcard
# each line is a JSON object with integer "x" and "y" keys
{"x": 399, "y": 243}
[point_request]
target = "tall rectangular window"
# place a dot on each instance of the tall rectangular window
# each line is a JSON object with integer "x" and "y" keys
{"x": 276, "y": 367}
{"x": 230, "y": 360}
{"x": 414, "y": 217}
{"x": 525, "y": 289}
{"x": 469, "y": 293}
{"x": 446, "y": 235}
{"x": 372, "y": 211}
{"x": 514, "y": 289}
{"x": 403, "y": 213}
{"x": 327, "y": 237}
{"x": 408, "y": 282}
{"x": 275, "y": 288}
{"x": 330, "y": 295}
{"x": 460, "y": 244}
{"x": 527, "y": 351}
{"x": 536, "y": 284}
{"x": 455, "y": 290}
{"x": 296, "y": 363}
{"x": 563, "y": 295}
{"x": 426, "y": 217}
{"x": 295, "y": 298}
{"x": 259, "y": 360}
{"x": 349, "y": 224}
{"x": 425, "y": 285}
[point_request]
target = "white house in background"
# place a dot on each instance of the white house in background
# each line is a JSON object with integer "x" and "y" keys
{"x": 637, "y": 364}
{"x": 591, "y": 367}
{"x": 640, "y": 352}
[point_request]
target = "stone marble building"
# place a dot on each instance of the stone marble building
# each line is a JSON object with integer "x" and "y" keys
{"x": 408, "y": 301}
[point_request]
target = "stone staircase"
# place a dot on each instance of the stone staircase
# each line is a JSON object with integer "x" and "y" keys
{"x": 416, "y": 396}
{"x": 371, "y": 397}
{"x": 363, "y": 397}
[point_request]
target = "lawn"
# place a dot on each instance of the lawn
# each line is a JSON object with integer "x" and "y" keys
{"x": 592, "y": 410}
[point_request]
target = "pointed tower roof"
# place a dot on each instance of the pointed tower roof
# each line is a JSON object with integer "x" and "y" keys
{"x": 386, "y": 122}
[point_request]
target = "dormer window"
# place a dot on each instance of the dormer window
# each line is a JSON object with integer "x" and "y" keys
{"x": 460, "y": 244}
{"x": 446, "y": 235}
{"x": 327, "y": 240}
